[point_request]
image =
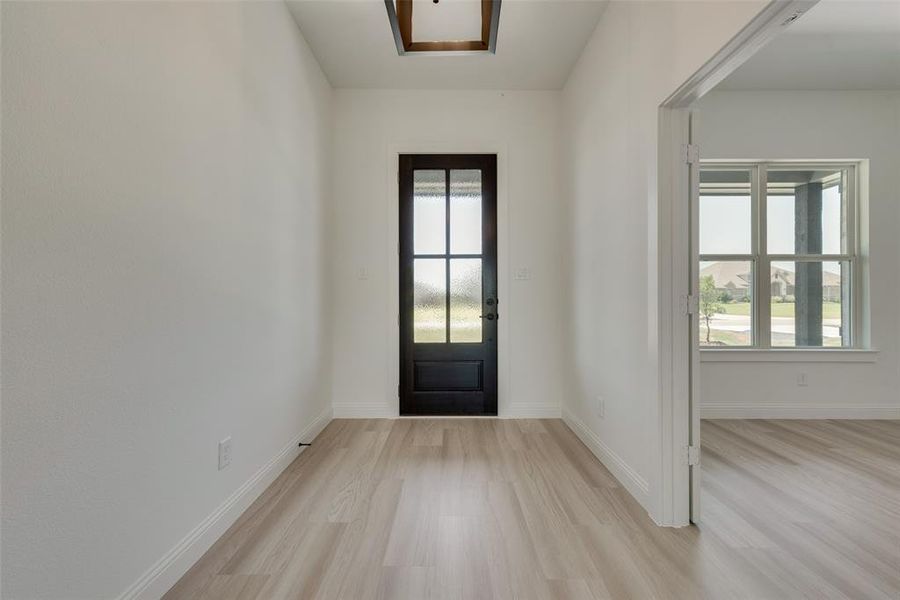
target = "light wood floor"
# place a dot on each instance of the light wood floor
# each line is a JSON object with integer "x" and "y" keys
{"x": 425, "y": 509}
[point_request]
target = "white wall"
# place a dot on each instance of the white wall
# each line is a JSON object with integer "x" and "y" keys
{"x": 817, "y": 125}
{"x": 639, "y": 54}
{"x": 371, "y": 127}
{"x": 164, "y": 179}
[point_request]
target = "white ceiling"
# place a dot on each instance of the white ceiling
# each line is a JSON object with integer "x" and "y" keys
{"x": 837, "y": 45}
{"x": 446, "y": 21}
{"x": 537, "y": 45}
{"x": 850, "y": 16}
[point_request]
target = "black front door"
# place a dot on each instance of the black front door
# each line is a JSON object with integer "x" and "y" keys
{"x": 448, "y": 284}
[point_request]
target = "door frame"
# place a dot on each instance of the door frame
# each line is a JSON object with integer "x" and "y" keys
{"x": 393, "y": 151}
{"x": 410, "y": 352}
{"x": 679, "y": 397}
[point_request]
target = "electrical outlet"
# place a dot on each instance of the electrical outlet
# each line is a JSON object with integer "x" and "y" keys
{"x": 362, "y": 273}
{"x": 601, "y": 407}
{"x": 224, "y": 453}
{"x": 801, "y": 380}
{"x": 522, "y": 274}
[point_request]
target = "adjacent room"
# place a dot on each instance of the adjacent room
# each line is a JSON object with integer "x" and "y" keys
{"x": 419, "y": 299}
{"x": 798, "y": 289}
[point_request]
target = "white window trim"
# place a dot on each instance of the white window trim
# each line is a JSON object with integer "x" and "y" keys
{"x": 761, "y": 349}
{"x": 788, "y": 355}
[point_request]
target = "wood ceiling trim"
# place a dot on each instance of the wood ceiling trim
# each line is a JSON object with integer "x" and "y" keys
{"x": 477, "y": 46}
{"x": 400, "y": 17}
{"x": 486, "y": 12}
{"x": 404, "y": 18}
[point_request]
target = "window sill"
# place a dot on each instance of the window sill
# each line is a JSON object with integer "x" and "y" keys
{"x": 737, "y": 355}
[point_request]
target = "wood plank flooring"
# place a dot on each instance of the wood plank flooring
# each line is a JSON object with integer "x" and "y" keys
{"x": 482, "y": 508}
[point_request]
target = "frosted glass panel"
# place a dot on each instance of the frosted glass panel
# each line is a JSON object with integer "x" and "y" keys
{"x": 429, "y": 212}
{"x": 465, "y": 300}
{"x": 430, "y": 300}
{"x": 805, "y": 212}
{"x": 465, "y": 211}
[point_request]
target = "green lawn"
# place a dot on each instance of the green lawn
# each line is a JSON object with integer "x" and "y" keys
{"x": 717, "y": 337}
{"x": 830, "y": 310}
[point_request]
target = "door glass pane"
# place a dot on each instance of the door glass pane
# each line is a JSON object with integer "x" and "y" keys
{"x": 465, "y": 211}
{"x": 429, "y": 300}
{"x": 726, "y": 303}
{"x": 725, "y": 212}
{"x": 805, "y": 211}
{"x": 429, "y": 212}
{"x": 465, "y": 299}
{"x": 810, "y": 303}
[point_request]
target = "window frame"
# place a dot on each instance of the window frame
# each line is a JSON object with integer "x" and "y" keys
{"x": 761, "y": 261}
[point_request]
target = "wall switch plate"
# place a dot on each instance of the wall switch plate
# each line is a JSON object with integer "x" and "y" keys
{"x": 601, "y": 407}
{"x": 522, "y": 274}
{"x": 224, "y": 453}
{"x": 362, "y": 273}
{"x": 802, "y": 380}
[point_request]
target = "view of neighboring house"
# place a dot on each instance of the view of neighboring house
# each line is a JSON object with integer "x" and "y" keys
{"x": 731, "y": 278}
{"x": 735, "y": 280}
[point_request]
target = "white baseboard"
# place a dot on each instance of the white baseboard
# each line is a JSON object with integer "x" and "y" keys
{"x": 369, "y": 410}
{"x": 636, "y": 485}
{"x": 531, "y": 411}
{"x": 365, "y": 410}
{"x": 782, "y": 410}
{"x": 159, "y": 578}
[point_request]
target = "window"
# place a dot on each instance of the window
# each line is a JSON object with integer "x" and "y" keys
{"x": 778, "y": 255}
{"x": 447, "y": 249}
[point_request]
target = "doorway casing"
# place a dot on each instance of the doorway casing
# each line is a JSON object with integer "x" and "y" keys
{"x": 679, "y": 402}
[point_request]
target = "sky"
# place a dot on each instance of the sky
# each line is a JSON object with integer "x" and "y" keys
{"x": 725, "y": 224}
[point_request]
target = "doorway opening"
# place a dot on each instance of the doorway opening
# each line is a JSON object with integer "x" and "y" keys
{"x": 679, "y": 179}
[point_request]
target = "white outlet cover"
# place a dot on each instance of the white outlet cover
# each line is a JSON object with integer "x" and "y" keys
{"x": 224, "y": 453}
{"x": 522, "y": 274}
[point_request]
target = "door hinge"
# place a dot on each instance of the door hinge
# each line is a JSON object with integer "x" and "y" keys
{"x": 691, "y": 305}
{"x": 692, "y": 455}
{"x": 691, "y": 153}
